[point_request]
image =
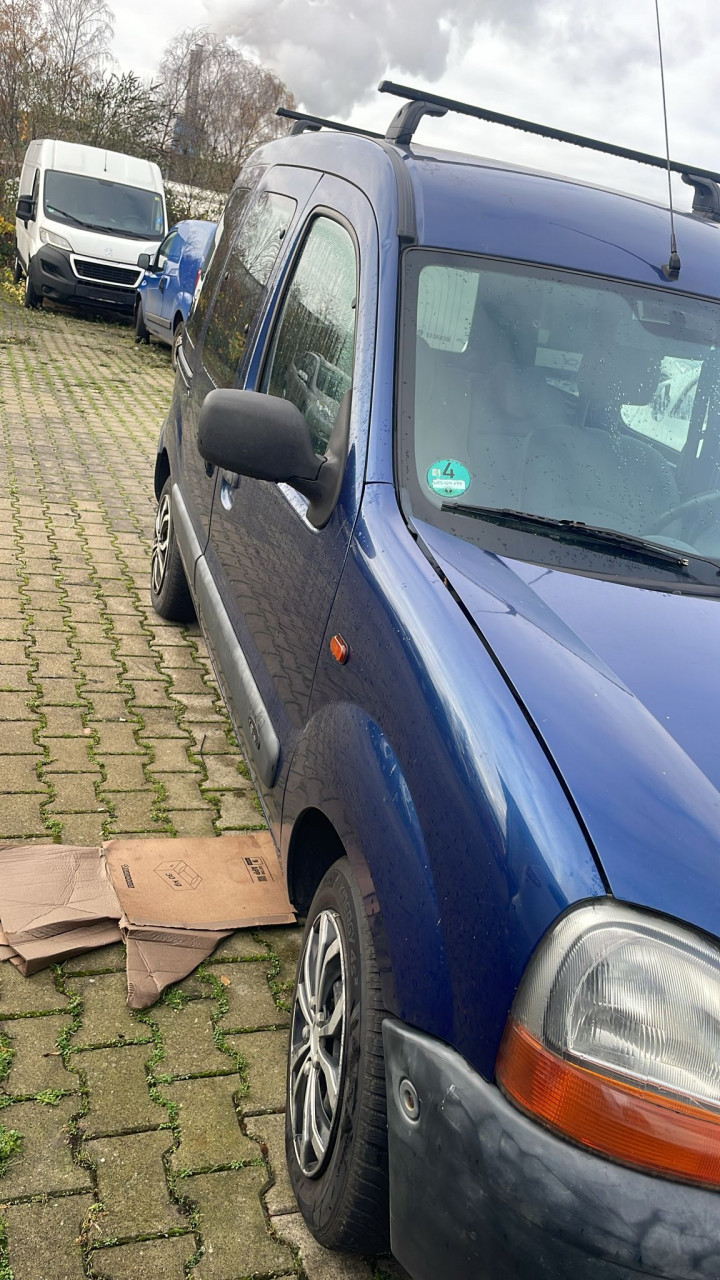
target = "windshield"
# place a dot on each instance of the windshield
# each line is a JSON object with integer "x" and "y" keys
{"x": 561, "y": 396}
{"x": 101, "y": 205}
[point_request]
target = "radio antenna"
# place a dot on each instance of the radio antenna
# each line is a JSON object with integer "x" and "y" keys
{"x": 671, "y": 269}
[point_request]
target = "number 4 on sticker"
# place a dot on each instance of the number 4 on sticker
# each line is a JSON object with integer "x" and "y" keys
{"x": 448, "y": 478}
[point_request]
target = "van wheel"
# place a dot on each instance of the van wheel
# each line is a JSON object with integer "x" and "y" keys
{"x": 169, "y": 590}
{"x": 32, "y": 298}
{"x": 17, "y": 271}
{"x": 336, "y": 1116}
{"x": 176, "y": 343}
{"x": 142, "y": 333}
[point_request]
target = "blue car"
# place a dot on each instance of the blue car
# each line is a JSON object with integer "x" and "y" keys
{"x": 468, "y": 636}
{"x": 165, "y": 293}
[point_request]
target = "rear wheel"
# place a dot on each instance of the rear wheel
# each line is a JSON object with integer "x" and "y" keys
{"x": 142, "y": 333}
{"x": 336, "y": 1120}
{"x": 169, "y": 590}
{"x": 176, "y": 343}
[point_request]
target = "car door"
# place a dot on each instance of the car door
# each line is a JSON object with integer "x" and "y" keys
{"x": 170, "y": 282}
{"x": 249, "y": 238}
{"x": 156, "y": 280}
{"x": 276, "y": 574}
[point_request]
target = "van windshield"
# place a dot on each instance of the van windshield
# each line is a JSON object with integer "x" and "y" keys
{"x": 584, "y": 404}
{"x": 102, "y": 205}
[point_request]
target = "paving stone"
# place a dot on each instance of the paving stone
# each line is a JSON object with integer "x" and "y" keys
{"x": 210, "y": 1132}
{"x": 193, "y": 822}
{"x": 284, "y": 941}
{"x": 45, "y": 1162}
{"x": 116, "y": 739}
{"x": 132, "y": 1184}
{"x": 108, "y": 706}
{"x": 124, "y": 773}
{"x": 19, "y": 995}
{"x": 250, "y": 1002}
{"x": 319, "y": 1263}
{"x": 99, "y": 960}
{"x": 265, "y": 1053}
{"x": 198, "y": 706}
{"x": 52, "y": 665}
{"x": 232, "y": 1224}
{"x": 223, "y": 774}
{"x": 118, "y": 1091}
{"x": 62, "y": 722}
{"x": 241, "y": 945}
{"x": 36, "y": 1063}
{"x": 109, "y": 680}
{"x": 182, "y": 792}
{"x": 134, "y": 812}
{"x": 74, "y": 792}
{"x": 147, "y": 1260}
{"x": 51, "y": 642}
{"x": 60, "y": 693}
{"x": 150, "y": 693}
{"x": 21, "y": 816}
{"x": 269, "y": 1131}
{"x": 14, "y": 706}
{"x": 44, "y": 1239}
{"x": 105, "y": 1015}
{"x": 71, "y": 755}
{"x": 82, "y": 828}
{"x": 238, "y": 810}
{"x": 12, "y": 651}
{"x": 187, "y": 1036}
{"x": 19, "y": 774}
{"x": 170, "y": 756}
{"x": 16, "y": 739}
{"x": 159, "y": 722}
{"x": 14, "y": 677}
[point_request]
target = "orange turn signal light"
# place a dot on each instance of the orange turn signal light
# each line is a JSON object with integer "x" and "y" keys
{"x": 339, "y": 649}
{"x": 655, "y": 1132}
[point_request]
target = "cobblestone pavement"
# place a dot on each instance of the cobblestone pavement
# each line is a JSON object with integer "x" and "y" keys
{"x": 132, "y": 1146}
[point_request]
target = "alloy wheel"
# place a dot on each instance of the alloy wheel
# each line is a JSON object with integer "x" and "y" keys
{"x": 159, "y": 560}
{"x": 317, "y": 1042}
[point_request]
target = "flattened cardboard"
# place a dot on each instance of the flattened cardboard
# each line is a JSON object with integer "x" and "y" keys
{"x": 49, "y": 889}
{"x": 40, "y": 954}
{"x": 158, "y": 957}
{"x": 6, "y": 951}
{"x": 222, "y": 883}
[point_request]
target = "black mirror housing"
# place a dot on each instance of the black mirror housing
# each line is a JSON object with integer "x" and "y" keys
{"x": 25, "y": 210}
{"x": 267, "y": 438}
{"x": 143, "y": 260}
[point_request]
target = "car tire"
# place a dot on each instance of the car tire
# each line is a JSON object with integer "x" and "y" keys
{"x": 32, "y": 298}
{"x": 18, "y": 272}
{"x": 142, "y": 333}
{"x": 169, "y": 590}
{"x": 339, "y": 1174}
{"x": 176, "y": 343}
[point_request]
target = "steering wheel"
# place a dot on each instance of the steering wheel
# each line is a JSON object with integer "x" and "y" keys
{"x": 698, "y": 503}
{"x": 131, "y": 219}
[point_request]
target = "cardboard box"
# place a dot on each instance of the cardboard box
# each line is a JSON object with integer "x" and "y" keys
{"x": 222, "y": 883}
{"x": 30, "y": 957}
{"x": 50, "y": 889}
{"x": 158, "y": 957}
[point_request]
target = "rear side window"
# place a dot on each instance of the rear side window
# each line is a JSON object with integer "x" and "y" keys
{"x": 242, "y": 285}
{"x": 311, "y": 360}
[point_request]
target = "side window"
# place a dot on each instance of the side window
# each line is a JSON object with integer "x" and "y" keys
{"x": 28, "y": 180}
{"x": 215, "y": 256}
{"x": 311, "y": 360}
{"x": 165, "y": 250}
{"x": 242, "y": 285}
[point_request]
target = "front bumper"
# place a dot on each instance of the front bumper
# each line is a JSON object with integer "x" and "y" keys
{"x": 53, "y": 277}
{"x": 480, "y": 1192}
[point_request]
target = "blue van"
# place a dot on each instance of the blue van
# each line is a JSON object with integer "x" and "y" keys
{"x": 460, "y": 596}
{"x": 165, "y": 293}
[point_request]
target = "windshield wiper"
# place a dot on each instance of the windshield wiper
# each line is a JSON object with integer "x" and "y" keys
{"x": 64, "y": 214}
{"x": 575, "y": 532}
{"x": 97, "y": 226}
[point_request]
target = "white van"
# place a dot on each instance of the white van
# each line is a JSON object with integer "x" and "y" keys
{"x": 83, "y": 217}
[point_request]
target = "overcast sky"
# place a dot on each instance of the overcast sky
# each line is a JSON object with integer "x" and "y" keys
{"x": 588, "y": 68}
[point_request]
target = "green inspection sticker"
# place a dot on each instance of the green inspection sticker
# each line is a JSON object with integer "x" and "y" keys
{"x": 448, "y": 478}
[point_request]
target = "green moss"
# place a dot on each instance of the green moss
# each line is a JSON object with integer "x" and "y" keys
{"x": 10, "y": 1145}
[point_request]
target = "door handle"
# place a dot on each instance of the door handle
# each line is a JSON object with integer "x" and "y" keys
{"x": 163, "y": 282}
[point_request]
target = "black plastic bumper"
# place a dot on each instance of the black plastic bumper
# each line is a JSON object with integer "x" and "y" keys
{"x": 52, "y": 277}
{"x": 479, "y": 1192}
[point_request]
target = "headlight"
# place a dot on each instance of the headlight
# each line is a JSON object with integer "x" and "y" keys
{"x": 614, "y": 1040}
{"x": 51, "y": 237}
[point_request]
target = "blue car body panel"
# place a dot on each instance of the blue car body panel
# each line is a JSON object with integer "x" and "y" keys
{"x": 168, "y": 294}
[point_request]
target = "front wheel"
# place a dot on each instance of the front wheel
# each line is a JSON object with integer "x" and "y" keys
{"x": 169, "y": 590}
{"x": 336, "y": 1119}
{"x": 176, "y": 343}
{"x": 142, "y": 333}
{"x": 32, "y": 298}
{"x": 17, "y": 270}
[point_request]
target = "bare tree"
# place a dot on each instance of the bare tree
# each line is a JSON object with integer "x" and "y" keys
{"x": 23, "y": 41}
{"x": 79, "y": 35}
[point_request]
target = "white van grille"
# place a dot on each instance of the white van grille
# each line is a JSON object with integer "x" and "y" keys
{"x": 106, "y": 273}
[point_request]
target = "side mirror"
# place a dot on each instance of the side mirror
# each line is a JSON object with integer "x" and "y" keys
{"x": 25, "y": 210}
{"x": 267, "y": 438}
{"x": 143, "y": 260}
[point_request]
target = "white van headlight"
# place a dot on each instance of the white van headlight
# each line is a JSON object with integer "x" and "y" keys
{"x": 613, "y": 1040}
{"x": 52, "y": 237}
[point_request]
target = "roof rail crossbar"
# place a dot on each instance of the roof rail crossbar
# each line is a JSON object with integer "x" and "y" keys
{"x": 304, "y": 122}
{"x": 706, "y": 196}
{"x": 421, "y": 96}
{"x": 405, "y": 122}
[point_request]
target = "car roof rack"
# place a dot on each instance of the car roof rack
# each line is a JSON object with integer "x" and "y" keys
{"x": 706, "y": 201}
{"x": 305, "y": 123}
